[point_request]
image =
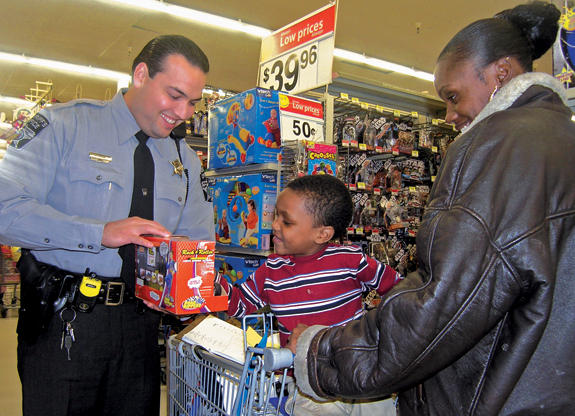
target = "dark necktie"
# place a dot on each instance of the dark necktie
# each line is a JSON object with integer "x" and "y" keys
{"x": 142, "y": 203}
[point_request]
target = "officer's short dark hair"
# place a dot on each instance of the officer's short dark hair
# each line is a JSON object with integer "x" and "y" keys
{"x": 327, "y": 200}
{"x": 156, "y": 50}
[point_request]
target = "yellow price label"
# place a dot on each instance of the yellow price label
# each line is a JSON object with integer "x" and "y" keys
{"x": 396, "y": 113}
{"x": 361, "y": 185}
{"x": 434, "y": 149}
{"x": 355, "y": 100}
{"x": 362, "y": 146}
{"x": 415, "y": 153}
{"x": 365, "y": 106}
{"x": 435, "y": 122}
{"x": 379, "y": 108}
{"x": 344, "y": 96}
{"x": 359, "y": 230}
{"x": 412, "y": 189}
{"x": 414, "y": 114}
{"x": 433, "y": 178}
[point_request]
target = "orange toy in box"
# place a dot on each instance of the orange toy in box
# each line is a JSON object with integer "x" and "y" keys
{"x": 177, "y": 275}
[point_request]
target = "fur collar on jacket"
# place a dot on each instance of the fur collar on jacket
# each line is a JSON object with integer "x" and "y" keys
{"x": 511, "y": 91}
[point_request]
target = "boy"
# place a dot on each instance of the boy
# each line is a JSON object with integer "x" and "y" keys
{"x": 310, "y": 280}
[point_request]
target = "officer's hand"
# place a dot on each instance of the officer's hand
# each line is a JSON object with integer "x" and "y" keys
{"x": 129, "y": 230}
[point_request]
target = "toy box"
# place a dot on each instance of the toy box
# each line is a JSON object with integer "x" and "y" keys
{"x": 244, "y": 209}
{"x": 244, "y": 129}
{"x": 321, "y": 158}
{"x": 235, "y": 269}
{"x": 177, "y": 275}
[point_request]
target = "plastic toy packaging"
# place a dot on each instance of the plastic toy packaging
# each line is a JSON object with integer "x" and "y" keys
{"x": 395, "y": 215}
{"x": 244, "y": 129}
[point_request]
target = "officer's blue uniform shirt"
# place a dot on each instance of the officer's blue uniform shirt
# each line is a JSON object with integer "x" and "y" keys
{"x": 70, "y": 171}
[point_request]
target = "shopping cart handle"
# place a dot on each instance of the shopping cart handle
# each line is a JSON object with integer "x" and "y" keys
{"x": 277, "y": 358}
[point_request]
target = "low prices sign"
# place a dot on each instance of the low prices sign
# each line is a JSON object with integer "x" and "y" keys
{"x": 300, "y": 119}
{"x": 299, "y": 57}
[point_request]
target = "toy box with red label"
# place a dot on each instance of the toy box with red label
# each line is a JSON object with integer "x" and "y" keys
{"x": 244, "y": 129}
{"x": 236, "y": 269}
{"x": 244, "y": 209}
{"x": 177, "y": 275}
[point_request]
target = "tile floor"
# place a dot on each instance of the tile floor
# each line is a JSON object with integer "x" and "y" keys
{"x": 10, "y": 393}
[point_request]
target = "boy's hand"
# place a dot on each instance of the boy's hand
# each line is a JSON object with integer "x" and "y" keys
{"x": 292, "y": 340}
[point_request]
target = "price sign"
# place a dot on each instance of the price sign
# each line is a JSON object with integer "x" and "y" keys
{"x": 300, "y": 118}
{"x": 299, "y": 56}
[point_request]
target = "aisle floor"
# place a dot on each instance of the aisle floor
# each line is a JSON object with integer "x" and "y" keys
{"x": 10, "y": 391}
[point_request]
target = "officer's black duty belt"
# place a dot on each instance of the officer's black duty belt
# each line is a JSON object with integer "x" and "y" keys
{"x": 113, "y": 293}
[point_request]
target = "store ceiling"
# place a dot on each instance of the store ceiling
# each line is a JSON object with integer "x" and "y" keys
{"x": 102, "y": 34}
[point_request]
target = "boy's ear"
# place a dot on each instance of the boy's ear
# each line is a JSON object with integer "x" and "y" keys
{"x": 324, "y": 234}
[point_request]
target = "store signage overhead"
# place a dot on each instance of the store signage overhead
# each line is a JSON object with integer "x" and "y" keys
{"x": 299, "y": 56}
{"x": 300, "y": 119}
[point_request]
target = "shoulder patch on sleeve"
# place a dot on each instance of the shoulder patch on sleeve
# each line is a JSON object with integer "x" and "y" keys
{"x": 34, "y": 126}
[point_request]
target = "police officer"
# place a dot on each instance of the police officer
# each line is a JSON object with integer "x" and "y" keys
{"x": 66, "y": 184}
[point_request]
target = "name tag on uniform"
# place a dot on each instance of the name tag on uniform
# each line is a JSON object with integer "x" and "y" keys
{"x": 100, "y": 158}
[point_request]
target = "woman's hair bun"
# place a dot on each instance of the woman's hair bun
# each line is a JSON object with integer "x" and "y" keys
{"x": 539, "y": 23}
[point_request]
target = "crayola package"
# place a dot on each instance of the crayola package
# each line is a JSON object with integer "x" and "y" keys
{"x": 177, "y": 275}
{"x": 321, "y": 158}
{"x": 244, "y": 129}
{"x": 244, "y": 209}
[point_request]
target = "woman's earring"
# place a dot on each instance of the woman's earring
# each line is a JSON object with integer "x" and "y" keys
{"x": 495, "y": 90}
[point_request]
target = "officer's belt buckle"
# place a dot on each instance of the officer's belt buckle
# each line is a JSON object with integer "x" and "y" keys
{"x": 114, "y": 293}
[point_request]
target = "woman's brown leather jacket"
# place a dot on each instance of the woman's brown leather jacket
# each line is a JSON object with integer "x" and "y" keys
{"x": 486, "y": 325}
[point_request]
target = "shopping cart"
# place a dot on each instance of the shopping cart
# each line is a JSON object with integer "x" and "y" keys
{"x": 203, "y": 383}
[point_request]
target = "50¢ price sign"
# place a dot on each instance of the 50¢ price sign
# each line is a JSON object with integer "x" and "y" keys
{"x": 299, "y": 56}
{"x": 300, "y": 119}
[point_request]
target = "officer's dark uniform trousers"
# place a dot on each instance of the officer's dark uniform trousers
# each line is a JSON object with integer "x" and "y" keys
{"x": 109, "y": 342}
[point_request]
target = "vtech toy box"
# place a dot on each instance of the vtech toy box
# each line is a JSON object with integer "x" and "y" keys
{"x": 244, "y": 129}
{"x": 244, "y": 209}
{"x": 236, "y": 269}
{"x": 177, "y": 275}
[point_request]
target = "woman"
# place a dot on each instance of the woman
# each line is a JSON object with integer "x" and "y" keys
{"x": 484, "y": 326}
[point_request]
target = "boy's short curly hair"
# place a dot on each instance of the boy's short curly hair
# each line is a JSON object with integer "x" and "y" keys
{"x": 327, "y": 200}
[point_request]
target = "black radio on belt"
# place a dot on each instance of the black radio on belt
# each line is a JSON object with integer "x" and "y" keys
{"x": 87, "y": 292}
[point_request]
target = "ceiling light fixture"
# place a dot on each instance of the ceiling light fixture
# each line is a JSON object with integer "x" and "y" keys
{"x": 381, "y": 64}
{"x": 237, "y": 25}
{"x": 17, "y": 101}
{"x": 120, "y": 77}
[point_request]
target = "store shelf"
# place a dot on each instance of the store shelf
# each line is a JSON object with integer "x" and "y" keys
{"x": 220, "y": 248}
{"x": 197, "y": 142}
{"x": 244, "y": 169}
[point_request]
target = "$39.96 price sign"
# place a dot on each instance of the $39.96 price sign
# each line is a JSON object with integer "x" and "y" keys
{"x": 287, "y": 72}
{"x": 300, "y": 119}
{"x": 299, "y": 56}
